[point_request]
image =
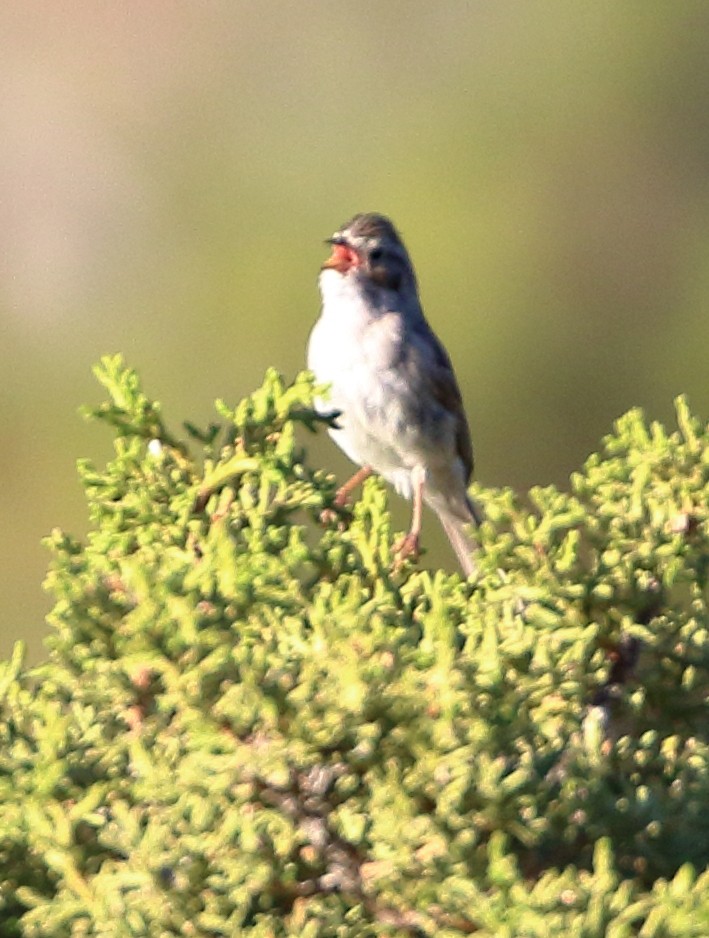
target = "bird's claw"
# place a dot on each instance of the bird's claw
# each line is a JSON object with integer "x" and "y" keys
{"x": 406, "y": 548}
{"x": 334, "y": 514}
{"x": 329, "y": 517}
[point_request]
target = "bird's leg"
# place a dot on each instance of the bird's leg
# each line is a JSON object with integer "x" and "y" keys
{"x": 328, "y": 515}
{"x": 343, "y": 493}
{"x": 408, "y": 546}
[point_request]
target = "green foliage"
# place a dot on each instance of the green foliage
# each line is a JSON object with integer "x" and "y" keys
{"x": 253, "y": 724}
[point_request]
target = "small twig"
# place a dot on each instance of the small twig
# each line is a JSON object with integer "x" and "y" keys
{"x": 219, "y": 477}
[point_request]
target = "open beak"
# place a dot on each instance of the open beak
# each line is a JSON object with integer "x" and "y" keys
{"x": 343, "y": 257}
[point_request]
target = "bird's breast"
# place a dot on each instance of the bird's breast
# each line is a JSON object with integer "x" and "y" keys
{"x": 350, "y": 334}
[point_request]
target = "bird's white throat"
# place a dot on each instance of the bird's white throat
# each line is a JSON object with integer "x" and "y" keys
{"x": 344, "y": 301}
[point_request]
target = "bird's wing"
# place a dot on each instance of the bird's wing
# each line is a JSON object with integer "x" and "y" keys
{"x": 435, "y": 371}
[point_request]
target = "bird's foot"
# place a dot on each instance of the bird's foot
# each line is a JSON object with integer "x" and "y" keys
{"x": 334, "y": 515}
{"x": 407, "y": 548}
{"x": 329, "y": 517}
{"x": 341, "y": 500}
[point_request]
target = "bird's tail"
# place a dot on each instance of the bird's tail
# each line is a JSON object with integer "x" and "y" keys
{"x": 461, "y": 542}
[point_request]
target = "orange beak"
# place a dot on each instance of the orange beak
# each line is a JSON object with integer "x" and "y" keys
{"x": 342, "y": 258}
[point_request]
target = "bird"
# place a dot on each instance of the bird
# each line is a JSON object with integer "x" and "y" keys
{"x": 391, "y": 382}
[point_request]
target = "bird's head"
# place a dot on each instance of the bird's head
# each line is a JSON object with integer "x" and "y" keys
{"x": 369, "y": 250}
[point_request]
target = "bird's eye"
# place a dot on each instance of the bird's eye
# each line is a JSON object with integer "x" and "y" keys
{"x": 384, "y": 269}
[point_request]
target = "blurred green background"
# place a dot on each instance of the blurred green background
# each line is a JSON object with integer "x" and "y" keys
{"x": 170, "y": 170}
